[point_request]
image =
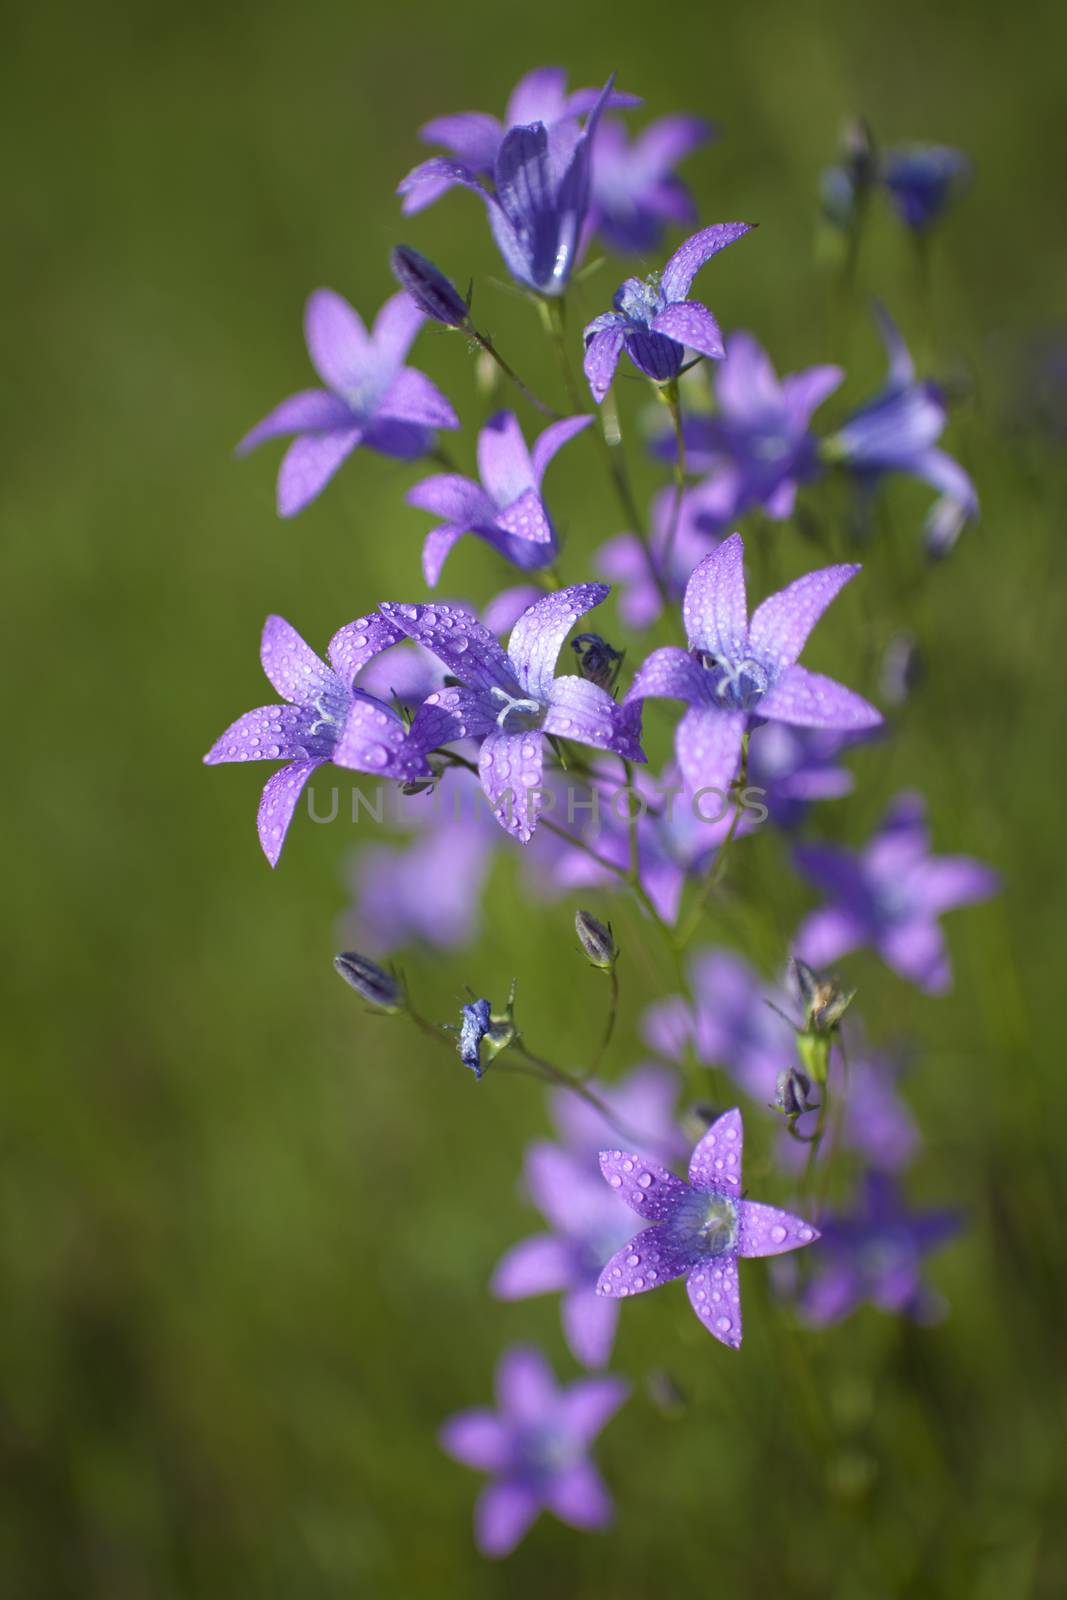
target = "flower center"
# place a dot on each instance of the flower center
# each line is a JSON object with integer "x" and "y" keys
{"x": 706, "y": 1223}
{"x": 738, "y": 684}
{"x": 527, "y": 712}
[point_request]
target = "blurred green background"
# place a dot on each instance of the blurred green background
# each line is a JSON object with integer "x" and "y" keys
{"x": 246, "y": 1229}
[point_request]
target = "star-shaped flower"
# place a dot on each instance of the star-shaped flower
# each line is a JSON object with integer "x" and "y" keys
{"x": 654, "y": 321}
{"x": 371, "y": 398}
{"x": 729, "y": 1024}
{"x": 699, "y": 1229}
{"x": 506, "y": 508}
{"x": 897, "y": 431}
{"x": 538, "y": 203}
{"x": 875, "y": 1254}
{"x": 738, "y": 672}
{"x": 889, "y": 896}
{"x": 536, "y": 1446}
{"x": 324, "y": 719}
{"x": 511, "y": 699}
{"x": 635, "y": 191}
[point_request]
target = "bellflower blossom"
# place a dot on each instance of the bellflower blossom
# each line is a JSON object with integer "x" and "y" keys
{"x": 897, "y": 431}
{"x": 875, "y": 1254}
{"x": 588, "y": 1225}
{"x": 654, "y": 321}
{"x": 922, "y": 180}
{"x": 699, "y": 1229}
{"x": 796, "y": 766}
{"x": 736, "y": 671}
{"x": 511, "y": 700}
{"x": 635, "y": 192}
{"x": 536, "y": 1446}
{"x": 701, "y": 524}
{"x": 371, "y": 398}
{"x": 644, "y": 1099}
{"x": 324, "y": 719}
{"x": 760, "y": 435}
{"x": 506, "y": 508}
{"x": 538, "y": 205}
{"x": 729, "y": 1025}
{"x": 889, "y": 896}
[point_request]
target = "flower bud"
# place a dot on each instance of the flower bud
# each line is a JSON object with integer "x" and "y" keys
{"x": 596, "y": 939}
{"x": 429, "y": 288}
{"x": 824, "y": 1002}
{"x": 793, "y": 1094}
{"x": 597, "y": 660}
{"x": 901, "y": 669}
{"x": 375, "y": 985}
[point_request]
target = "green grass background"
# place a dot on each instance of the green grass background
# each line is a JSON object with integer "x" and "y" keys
{"x": 244, "y": 1229}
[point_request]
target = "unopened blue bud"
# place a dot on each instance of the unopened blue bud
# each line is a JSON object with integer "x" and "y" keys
{"x": 429, "y": 288}
{"x": 369, "y": 980}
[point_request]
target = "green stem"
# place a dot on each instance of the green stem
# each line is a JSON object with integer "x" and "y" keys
{"x": 509, "y": 372}
{"x": 609, "y": 1027}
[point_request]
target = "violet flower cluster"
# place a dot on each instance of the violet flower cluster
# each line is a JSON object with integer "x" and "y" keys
{"x": 635, "y": 765}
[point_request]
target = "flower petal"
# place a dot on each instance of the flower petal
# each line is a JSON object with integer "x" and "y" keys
{"x": 337, "y": 341}
{"x": 541, "y": 1264}
{"x": 707, "y": 743}
{"x": 948, "y": 881}
{"x": 916, "y": 950}
{"x": 552, "y": 440}
{"x": 504, "y": 464}
{"x": 525, "y": 1389}
{"x": 310, "y": 411}
{"x": 715, "y": 610}
{"x": 395, "y": 328}
{"x": 277, "y": 804}
{"x": 411, "y": 397}
{"x": 269, "y": 733}
{"x": 291, "y": 665}
{"x": 692, "y": 325}
{"x": 454, "y": 636}
{"x": 449, "y": 714}
{"x": 715, "y": 1296}
{"x": 669, "y": 674}
{"x": 511, "y": 767}
{"x": 359, "y": 642}
{"x": 716, "y": 1161}
{"x": 525, "y": 521}
{"x": 766, "y": 1231}
{"x": 375, "y": 740}
{"x": 436, "y": 549}
{"x": 502, "y": 1515}
{"x": 688, "y": 259}
{"x": 810, "y": 700}
{"x": 780, "y": 626}
{"x": 309, "y": 464}
{"x": 601, "y": 357}
{"x": 649, "y": 1189}
{"x": 473, "y": 137}
{"x": 650, "y": 1260}
{"x": 589, "y": 1324}
{"x": 478, "y": 1439}
{"x": 826, "y": 935}
{"x": 589, "y": 1405}
{"x": 455, "y": 498}
{"x": 578, "y": 709}
{"x": 537, "y": 637}
{"x": 577, "y": 1495}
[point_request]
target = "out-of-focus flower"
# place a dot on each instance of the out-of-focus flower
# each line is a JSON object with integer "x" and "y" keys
{"x": 889, "y": 896}
{"x": 371, "y": 398}
{"x": 654, "y": 321}
{"x": 731, "y": 1024}
{"x": 699, "y": 1229}
{"x": 675, "y": 547}
{"x": 588, "y": 1225}
{"x": 324, "y": 719}
{"x": 538, "y": 203}
{"x": 922, "y": 180}
{"x": 506, "y": 508}
{"x": 897, "y": 431}
{"x": 795, "y": 767}
{"x": 875, "y": 1254}
{"x": 643, "y": 1101}
{"x": 736, "y": 671}
{"x": 511, "y": 700}
{"x": 635, "y": 192}
{"x": 536, "y": 1447}
{"x": 844, "y": 187}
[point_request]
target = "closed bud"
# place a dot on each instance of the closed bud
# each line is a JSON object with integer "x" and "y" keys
{"x": 901, "y": 669}
{"x": 597, "y": 660}
{"x": 793, "y": 1094}
{"x": 596, "y": 939}
{"x": 375, "y": 985}
{"x": 429, "y": 288}
{"x": 824, "y": 1002}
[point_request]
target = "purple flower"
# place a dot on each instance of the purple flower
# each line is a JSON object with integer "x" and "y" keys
{"x": 730, "y": 1024}
{"x": 654, "y": 322}
{"x": 889, "y": 896}
{"x": 505, "y": 509}
{"x": 324, "y": 719}
{"x": 427, "y": 890}
{"x": 702, "y": 522}
{"x": 875, "y": 1253}
{"x": 699, "y": 1228}
{"x": 922, "y": 180}
{"x": 511, "y": 700}
{"x": 897, "y": 431}
{"x": 371, "y": 397}
{"x": 735, "y": 672}
{"x": 760, "y": 436}
{"x": 795, "y": 766}
{"x": 635, "y": 191}
{"x": 476, "y": 1022}
{"x": 536, "y": 1446}
{"x": 588, "y": 1225}
{"x": 644, "y": 1100}
{"x": 539, "y": 200}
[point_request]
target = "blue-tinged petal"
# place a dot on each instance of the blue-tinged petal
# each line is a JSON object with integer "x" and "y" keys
{"x": 589, "y": 1325}
{"x": 310, "y": 411}
{"x": 412, "y": 397}
{"x": 766, "y": 1231}
{"x": 478, "y": 1439}
{"x": 780, "y": 626}
{"x": 577, "y": 1495}
{"x": 526, "y": 523}
{"x": 810, "y": 700}
{"x": 374, "y": 739}
{"x": 707, "y": 744}
{"x": 602, "y": 352}
{"x": 537, "y": 637}
{"x": 458, "y": 500}
{"x": 651, "y": 1259}
{"x": 542, "y": 1264}
{"x": 716, "y": 1161}
{"x": 552, "y": 440}
{"x": 688, "y": 259}
{"x": 337, "y": 342}
{"x": 692, "y": 325}
{"x": 449, "y": 714}
{"x": 526, "y": 1391}
{"x": 309, "y": 464}
{"x": 715, "y": 1296}
{"x": 539, "y": 96}
{"x": 394, "y": 331}
{"x": 278, "y": 803}
{"x": 670, "y": 673}
{"x": 715, "y": 610}
{"x": 502, "y": 1516}
{"x": 291, "y": 665}
{"x": 473, "y": 137}
{"x": 648, "y": 1188}
{"x": 504, "y": 464}
{"x": 511, "y": 768}
{"x": 436, "y": 549}
{"x": 588, "y": 1406}
{"x": 269, "y": 733}
{"x": 359, "y": 642}
{"x": 454, "y": 636}
{"x": 580, "y": 710}
{"x": 527, "y": 200}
